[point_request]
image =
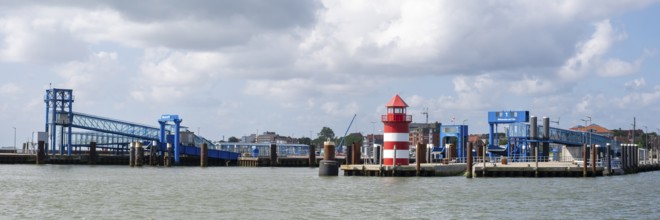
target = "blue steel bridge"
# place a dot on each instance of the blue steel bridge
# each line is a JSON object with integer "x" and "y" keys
{"x": 520, "y": 136}
{"x": 115, "y": 135}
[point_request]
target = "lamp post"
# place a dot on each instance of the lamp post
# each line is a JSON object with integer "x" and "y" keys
{"x": 464, "y": 121}
{"x": 590, "y": 123}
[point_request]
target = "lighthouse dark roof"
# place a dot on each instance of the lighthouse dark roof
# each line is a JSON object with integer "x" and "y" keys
{"x": 396, "y": 101}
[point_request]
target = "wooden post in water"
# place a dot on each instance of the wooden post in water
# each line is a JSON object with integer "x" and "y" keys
{"x": 92, "y": 153}
{"x": 152, "y": 153}
{"x": 593, "y": 160}
{"x": 584, "y": 160}
{"x": 41, "y": 152}
{"x": 634, "y": 156}
{"x": 139, "y": 154}
{"x": 536, "y": 160}
{"x": 609, "y": 159}
{"x": 273, "y": 155}
{"x": 357, "y": 153}
{"x": 131, "y": 155}
{"x": 204, "y": 155}
{"x": 349, "y": 155}
{"x": 483, "y": 171}
{"x": 312, "y": 156}
{"x": 468, "y": 166}
{"x": 167, "y": 157}
{"x": 624, "y": 157}
{"x": 422, "y": 152}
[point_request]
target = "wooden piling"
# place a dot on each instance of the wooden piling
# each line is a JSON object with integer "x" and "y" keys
{"x": 609, "y": 159}
{"x": 349, "y": 155}
{"x": 584, "y": 160}
{"x": 131, "y": 156}
{"x": 152, "y": 154}
{"x": 312, "y": 156}
{"x": 634, "y": 157}
{"x": 468, "y": 170}
{"x": 167, "y": 157}
{"x": 204, "y": 155}
{"x": 357, "y": 153}
{"x": 139, "y": 154}
{"x": 422, "y": 152}
{"x": 536, "y": 159}
{"x": 593, "y": 160}
{"x": 273, "y": 155}
{"x": 623, "y": 157}
{"x": 41, "y": 152}
{"x": 92, "y": 153}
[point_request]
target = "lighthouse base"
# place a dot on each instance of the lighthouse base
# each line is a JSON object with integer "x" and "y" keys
{"x": 328, "y": 168}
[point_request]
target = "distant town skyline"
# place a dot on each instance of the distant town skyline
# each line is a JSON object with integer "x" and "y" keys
{"x": 233, "y": 68}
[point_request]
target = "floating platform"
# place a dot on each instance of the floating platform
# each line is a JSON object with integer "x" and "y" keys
{"x": 300, "y": 161}
{"x": 426, "y": 169}
{"x": 544, "y": 169}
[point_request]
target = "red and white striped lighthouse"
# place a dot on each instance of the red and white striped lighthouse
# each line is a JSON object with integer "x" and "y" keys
{"x": 396, "y": 133}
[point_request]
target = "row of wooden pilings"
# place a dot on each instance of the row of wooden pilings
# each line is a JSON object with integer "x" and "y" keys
{"x": 41, "y": 153}
{"x": 137, "y": 155}
{"x": 629, "y": 154}
{"x": 630, "y": 158}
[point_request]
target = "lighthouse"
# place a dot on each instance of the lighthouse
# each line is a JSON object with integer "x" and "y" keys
{"x": 396, "y": 133}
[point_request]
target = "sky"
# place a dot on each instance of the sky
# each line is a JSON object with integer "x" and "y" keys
{"x": 233, "y": 68}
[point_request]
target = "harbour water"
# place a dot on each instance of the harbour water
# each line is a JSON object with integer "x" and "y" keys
{"x": 121, "y": 192}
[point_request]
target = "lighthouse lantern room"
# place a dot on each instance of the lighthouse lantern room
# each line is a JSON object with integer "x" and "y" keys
{"x": 396, "y": 149}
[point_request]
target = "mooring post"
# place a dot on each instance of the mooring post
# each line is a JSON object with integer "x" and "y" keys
{"x": 593, "y": 160}
{"x": 394, "y": 157}
{"x": 536, "y": 160}
{"x": 483, "y": 171}
{"x": 41, "y": 152}
{"x": 152, "y": 153}
{"x": 609, "y": 159}
{"x": 584, "y": 160}
{"x": 357, "y": 153}
{"x": 131, "y": 155}
{"x": 624, "y": 157}
{"x": 273, "y": 155}
{"x": 139, "y": 154}
{"x": 468, "y": 167}
{"x": 348, "y": 157}
{"x": 167, "y": 157}
{"x": 92, "y": 153}
{"x": 312, "y": 156}
{"x": 204, "y": 155}
{"x": 636, "y": 157}
{"x": 422, "y": 152}
{"x": 418, "y": 159}
{"x": 328, "y": 166}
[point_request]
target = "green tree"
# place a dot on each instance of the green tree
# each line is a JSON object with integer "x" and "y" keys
{"x": 326, "y": 133}
{"x": 353, "y": 138}
{"x": 305, "y": 140}
{"x": 233, "y": 139}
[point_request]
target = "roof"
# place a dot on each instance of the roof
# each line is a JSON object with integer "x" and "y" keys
{"x": 396, "y": 101}
{"x": 593, "y": 127}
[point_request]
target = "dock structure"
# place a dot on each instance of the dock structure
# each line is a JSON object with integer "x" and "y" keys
{"x": 531, "y": 169}
{"x": 427, "y": 169}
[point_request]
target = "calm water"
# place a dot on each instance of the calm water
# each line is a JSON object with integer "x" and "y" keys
{"x": 121, "y": 192}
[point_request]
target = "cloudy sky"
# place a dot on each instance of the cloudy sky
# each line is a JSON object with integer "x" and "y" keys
{"x": 232, "y": 68}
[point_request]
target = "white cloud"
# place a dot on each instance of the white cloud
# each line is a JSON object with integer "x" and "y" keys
{"x": 638, "y": 99}
{"x": 635, "y": 84}
{"x": 9, "y": 89}
{"x": 589, "y": 53}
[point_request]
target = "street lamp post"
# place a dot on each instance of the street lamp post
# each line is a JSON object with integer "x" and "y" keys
{"x": 590, "y": 123}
